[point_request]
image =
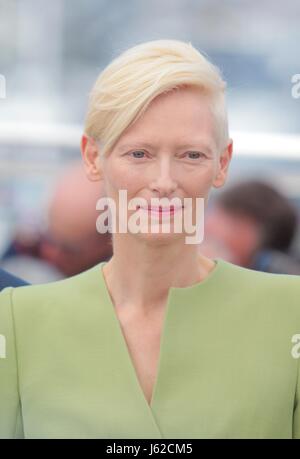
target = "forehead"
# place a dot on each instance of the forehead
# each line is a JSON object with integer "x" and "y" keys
{"x": 180, "y": 116}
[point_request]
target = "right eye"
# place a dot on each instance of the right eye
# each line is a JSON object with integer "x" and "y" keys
{"x": 137, "y": 154}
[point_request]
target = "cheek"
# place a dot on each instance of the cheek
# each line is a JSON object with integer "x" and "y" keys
{"x": 119, "y": 177}
{"x": 200, "y": 182}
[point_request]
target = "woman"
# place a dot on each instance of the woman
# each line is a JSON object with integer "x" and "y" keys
{"x": 160, "y": 341}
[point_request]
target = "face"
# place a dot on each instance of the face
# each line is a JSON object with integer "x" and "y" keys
{"x": 170, "y": 152}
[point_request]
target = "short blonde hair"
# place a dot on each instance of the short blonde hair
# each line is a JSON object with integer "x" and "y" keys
{"x": 125, "y": 88}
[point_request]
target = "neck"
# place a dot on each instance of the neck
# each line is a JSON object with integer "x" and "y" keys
{"x": 139, "y": 274}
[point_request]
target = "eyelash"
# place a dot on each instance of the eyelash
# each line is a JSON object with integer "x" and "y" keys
{"x": 141, "y": 151}
{"x": 198, "y": 152}
{"x": 136, "y": 151}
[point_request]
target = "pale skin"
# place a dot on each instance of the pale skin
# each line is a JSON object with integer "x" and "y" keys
{"x": 179, "y": 156}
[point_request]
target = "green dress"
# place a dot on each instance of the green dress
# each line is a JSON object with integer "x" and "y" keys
{"x": 228, "y": 367}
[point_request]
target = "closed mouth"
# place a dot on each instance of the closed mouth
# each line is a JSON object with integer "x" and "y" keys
{"x": 160, "y": 209}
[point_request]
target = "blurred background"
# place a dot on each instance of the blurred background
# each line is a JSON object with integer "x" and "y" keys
{"x": 51, "y": 54}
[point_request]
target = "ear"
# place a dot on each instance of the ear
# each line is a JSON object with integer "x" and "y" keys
{"x": 223, "y": 165}
{"x": 91, "y": 158}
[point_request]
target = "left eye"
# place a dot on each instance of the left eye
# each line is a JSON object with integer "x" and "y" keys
{"x": 194, "y": 154}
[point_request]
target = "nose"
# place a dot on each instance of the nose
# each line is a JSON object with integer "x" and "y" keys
{"x": 163, "y": 182}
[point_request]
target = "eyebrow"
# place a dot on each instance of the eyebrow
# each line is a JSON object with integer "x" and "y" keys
{"x": 134, "y": 145}
{"x": 142, "y": 144}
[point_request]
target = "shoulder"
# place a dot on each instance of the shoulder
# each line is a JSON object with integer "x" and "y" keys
{"x": 261, "y": 279}
{"x": 261, "y": 290}
{"x": 264, "y": 279}
{"x": 41, "y": 315}
{"x": 60, "y": 296}
{"x": 50, "y": 320}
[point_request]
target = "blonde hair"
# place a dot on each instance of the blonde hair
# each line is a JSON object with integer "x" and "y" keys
{"x": 125, "y": 88}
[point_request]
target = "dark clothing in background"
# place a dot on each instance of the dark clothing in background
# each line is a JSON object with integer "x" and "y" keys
{"x": 274, "y": 261}
{"x": 8, "y": 280}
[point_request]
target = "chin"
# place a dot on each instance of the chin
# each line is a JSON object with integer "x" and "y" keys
{"x": 159, "y": 239}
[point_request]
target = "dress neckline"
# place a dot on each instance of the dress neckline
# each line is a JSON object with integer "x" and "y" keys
{"x": 219, "y": 264}
{"x": 177, "y": 297}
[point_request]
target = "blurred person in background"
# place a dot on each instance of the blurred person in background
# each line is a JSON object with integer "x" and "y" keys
{"x": 253, "y": 225}
{"x": 70, "y": 243}
{"x": 22, "y": 256}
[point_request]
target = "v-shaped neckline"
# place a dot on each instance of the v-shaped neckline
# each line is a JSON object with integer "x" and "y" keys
{"x": 173, "y": 293}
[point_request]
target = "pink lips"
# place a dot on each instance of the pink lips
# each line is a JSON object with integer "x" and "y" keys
{"x": 161, "y": 210}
